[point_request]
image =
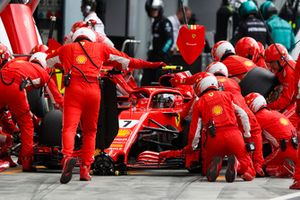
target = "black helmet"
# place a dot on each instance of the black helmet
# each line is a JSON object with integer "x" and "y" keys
{"x": 88, "y": 6}
{"x": 268, "y": 9}
{"x": 154, "y": 4}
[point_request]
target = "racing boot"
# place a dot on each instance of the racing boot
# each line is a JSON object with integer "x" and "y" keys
{"x": 231, "y": 171}
{"x": 68, "y": 166}
{"x": 214, "y": 169}
{"x": 27, "y": 164}
{"x": 295, "y": 185}
{"x": 85, "y": 173}
{"x": 287, "y": 169}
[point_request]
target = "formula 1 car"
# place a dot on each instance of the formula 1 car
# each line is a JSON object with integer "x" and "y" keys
{"x": 152, "y": 132}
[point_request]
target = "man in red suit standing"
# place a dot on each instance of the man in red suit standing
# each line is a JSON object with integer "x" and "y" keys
{"x": 82, "y": 61}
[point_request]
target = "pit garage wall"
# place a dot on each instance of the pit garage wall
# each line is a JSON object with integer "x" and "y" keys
{"x": 140, "y": 24}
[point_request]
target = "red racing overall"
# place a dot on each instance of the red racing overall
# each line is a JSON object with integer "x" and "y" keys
{"x": 256, "y": 133}
{"x": 82, "y": 97}
{"x": 286, "y": 101}
{"x": 218, "y": 106}
{"x": 277, "y": 129}
{"x": 11, "y": 95}
{"x": 237, "y": 66}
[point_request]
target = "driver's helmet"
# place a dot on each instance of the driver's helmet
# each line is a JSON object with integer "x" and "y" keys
{"x": 163, "y": 101}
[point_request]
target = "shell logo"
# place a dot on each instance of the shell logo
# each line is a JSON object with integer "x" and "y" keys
{"x": 211, "y": 94}
{"x": 217, "y": 110}
{"x": 81, "y": 59}
{"x": 283, "y": 121}
{"x": 193, "y": 36}
{"x": 248, "y": 63}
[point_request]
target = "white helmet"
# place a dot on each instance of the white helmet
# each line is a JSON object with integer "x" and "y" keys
{"x": 221, "y": 48}
{"x": 217, "y": 68}
{"x": 86, "y": 33}
{"x": 157, "y": 4}
{"x": 206, "y": 81}
{"x": 39, "y": 57}
{"x": 255, "y": 101}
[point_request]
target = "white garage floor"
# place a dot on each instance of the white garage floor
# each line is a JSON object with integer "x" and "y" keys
{"x": 140, "y": 185}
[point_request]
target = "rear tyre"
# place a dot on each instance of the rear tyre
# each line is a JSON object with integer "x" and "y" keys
{"x": 258, "y": 80}
{"x": 51, "y": 129}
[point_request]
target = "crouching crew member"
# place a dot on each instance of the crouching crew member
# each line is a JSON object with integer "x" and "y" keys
{"x": 280, "y": 133}
{"x": 16, "y": 76}
{"x": 82, "y": 61}
{"x": 283, "y": 100}
{"x": 229, "y": 85}
{"x": 214, "y": 121}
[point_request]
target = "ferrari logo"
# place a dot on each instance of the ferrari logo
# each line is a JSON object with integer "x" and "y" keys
{"x": 81, "y": 59}
{"x": 177, "y": 119}
{"x": 283, "y": 121}
{"x": 211, "y": 94}
{"x": 193, "y": 36}
{"x": 217, "y": 110}
{"x": 248, "y": 63}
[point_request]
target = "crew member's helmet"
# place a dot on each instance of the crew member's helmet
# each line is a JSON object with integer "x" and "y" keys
{"x": 5, "y": 54}
{"x": 40, "y": 58}
{"x": 39, "y": 48}
{"x": 268, "y": 9}
{"x": 84, "y": 33}
{"x": 217, "y": 68}
{"x": 247, "y": 8}
{"x": 276, "y": 52}
{"x": 205, "y": 82}
{"x": 77, "y": 25}
{"x": 247, "y": 47}
{"x": 255, "y": 101}
{"x": 221, "y": 49}
{"x": 261, "y": 48}
{"x": 154, "y": 5}
{"x": 88, "y": 5}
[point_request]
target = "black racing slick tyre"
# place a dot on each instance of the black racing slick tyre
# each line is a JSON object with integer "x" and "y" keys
{"x": 258, "y": 80}
{"x": 51, "y": 129}
{"x": 37, "y": 102}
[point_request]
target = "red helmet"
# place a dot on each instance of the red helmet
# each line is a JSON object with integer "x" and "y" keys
{"x": 261, "y": 48}
{"x": 276, "y": 52}
{"x": 78, "y": 25}
{"x": 246, "y": 47}
{"x": 5, "y": 54}
{"x": 220, "y": 49}
{"x": 255, "y": 101}
{"x": 204, "y": 82}
{"x": 217, "y": 68}
{"x": 39, "y": 48}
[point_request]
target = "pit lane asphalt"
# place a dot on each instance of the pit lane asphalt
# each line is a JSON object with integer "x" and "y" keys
{"x": 140, "y": 185}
